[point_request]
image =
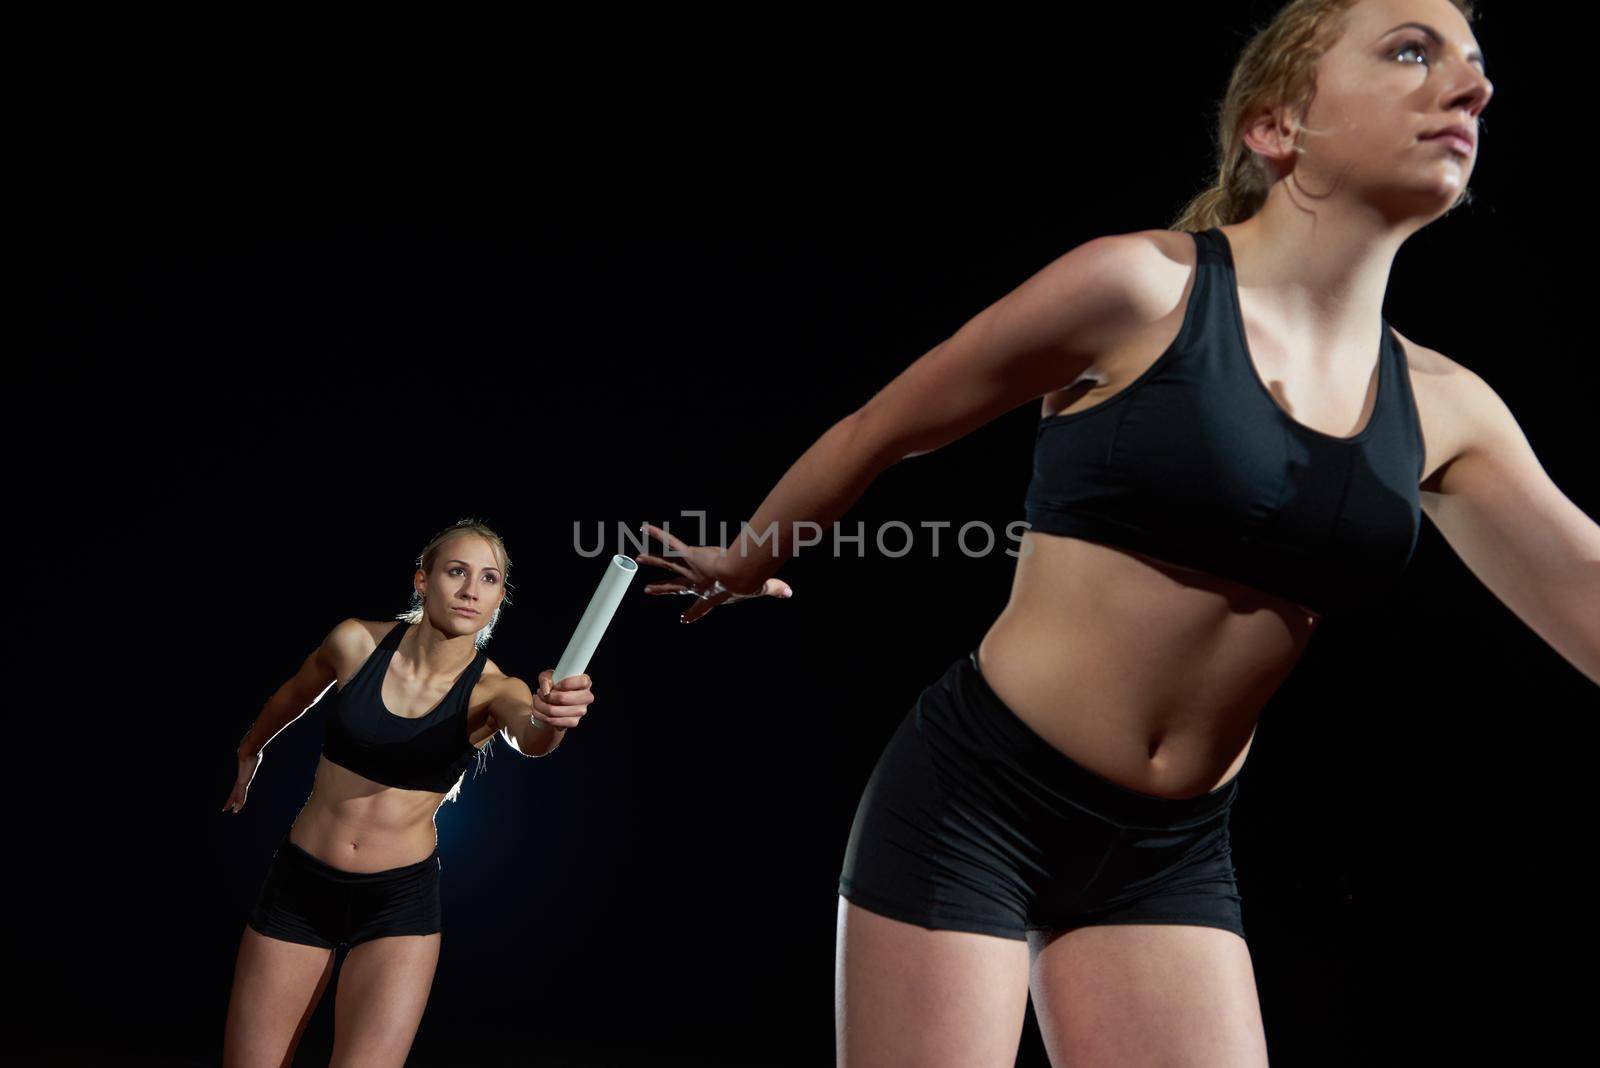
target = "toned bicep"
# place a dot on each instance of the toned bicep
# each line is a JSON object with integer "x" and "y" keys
{"x": 1516, "y": 531}
{"x": 1497, "y": 507}
{"x": 1039, "y": 337}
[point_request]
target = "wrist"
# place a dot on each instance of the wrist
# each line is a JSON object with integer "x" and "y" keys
{"x": 542, "y": 737}
{"x": 739, "y": 575}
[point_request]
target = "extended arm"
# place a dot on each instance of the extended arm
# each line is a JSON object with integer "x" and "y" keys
{"x": 1039, "y": 337}
{"x": 512, "y": 711}
{"x": 1532, "y": 547}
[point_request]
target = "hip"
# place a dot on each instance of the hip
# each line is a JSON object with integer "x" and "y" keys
{"x": 981, "y": 753}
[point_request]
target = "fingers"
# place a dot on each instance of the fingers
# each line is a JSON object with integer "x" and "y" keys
{"x": 772, "y": 587}
{"x": 670, "y": 539}
{"x": 575, "y": 682}
{"x": 702, "y": 606}
{"x": 565, "y": 707}
{"x": 658, "y": 589}
{"x": 695, "y": 584}
{"x": 661, "y": 561}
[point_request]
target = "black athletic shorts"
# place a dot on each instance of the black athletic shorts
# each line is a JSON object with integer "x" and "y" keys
{"x": 310, "y": 901}
{"x": 972, "y": 822}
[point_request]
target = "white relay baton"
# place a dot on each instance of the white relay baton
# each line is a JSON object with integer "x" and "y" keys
{"x": 592, "y": 627}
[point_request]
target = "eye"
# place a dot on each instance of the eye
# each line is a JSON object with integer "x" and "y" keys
{"x": 1415, "y": 44}
{"x": 491, "y": 578}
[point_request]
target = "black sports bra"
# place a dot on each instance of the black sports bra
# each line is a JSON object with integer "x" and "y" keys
{"x": 1195, "y": 463}
{"x": 428, "y": 752}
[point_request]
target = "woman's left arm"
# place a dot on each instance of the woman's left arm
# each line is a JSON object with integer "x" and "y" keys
{"x": 1532, "y": 547}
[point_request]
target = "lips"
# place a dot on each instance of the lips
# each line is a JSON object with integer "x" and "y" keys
{"x": 1460, "y": 135}
{"x": 468, "y": 611}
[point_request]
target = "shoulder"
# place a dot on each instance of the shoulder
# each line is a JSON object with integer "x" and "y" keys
{"x": 1145, "y": 262}
{"x": 1153, "y": 268}
{"x": 1459, "y": 411}
{"x": 1433, "y": 370}
{"x": 1425, "y": 362}
{"x": 499, "y": 682}
{"x": 1116, "y": 283}
{"x": 1436, "y": 379}
{"x": 351, "y": 641}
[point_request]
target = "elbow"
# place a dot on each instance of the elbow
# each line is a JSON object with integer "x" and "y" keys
{"x": 518, "y": 740}
{"x": 873, "y": 444}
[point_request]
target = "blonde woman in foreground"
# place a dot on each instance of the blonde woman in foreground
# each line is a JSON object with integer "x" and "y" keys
{"x": 1234, "y": 442}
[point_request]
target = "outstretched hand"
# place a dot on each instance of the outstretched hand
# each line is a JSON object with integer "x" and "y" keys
{"x": 562, "y": 704}
{"x": 700, "y": 570}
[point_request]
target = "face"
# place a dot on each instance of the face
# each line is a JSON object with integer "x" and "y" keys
{"x": 1380, "y": 89}
{"x": 466, "y": 575}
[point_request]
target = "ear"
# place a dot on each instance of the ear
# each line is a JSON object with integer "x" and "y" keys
{"x": 1271, "y": 135}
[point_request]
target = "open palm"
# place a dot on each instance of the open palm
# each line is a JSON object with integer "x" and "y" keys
{"x": 700, "y": 571}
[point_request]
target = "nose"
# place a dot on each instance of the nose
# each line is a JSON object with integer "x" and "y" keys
{"x": 1470, "y": 95}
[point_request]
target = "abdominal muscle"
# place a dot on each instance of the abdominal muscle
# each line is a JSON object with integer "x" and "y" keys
{"x": 359, "y": 825}
{"x": 1146, "y": 673}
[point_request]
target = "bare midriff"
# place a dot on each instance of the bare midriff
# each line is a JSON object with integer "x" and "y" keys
{"x": 359, "y": 825}
{"x": 1148, "y": 674}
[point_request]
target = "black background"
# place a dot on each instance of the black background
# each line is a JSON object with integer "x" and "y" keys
{"x": 302, "y": 314}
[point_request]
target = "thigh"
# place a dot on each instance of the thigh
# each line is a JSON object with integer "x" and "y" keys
{"x": 907, "y": 995}
{"x": 299, "y": 903}
{"x": 1162, "y": 993}
{"x": 938, "y": 839}
{"x": 383, "y": 989}
{"x": 276, "y": 987}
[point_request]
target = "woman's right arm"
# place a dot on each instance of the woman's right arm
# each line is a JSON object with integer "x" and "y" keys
{"x": 1039, "y": 337}
{"x": 343, "y": 644}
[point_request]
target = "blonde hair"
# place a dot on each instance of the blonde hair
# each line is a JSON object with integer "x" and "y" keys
{"x": 430, "y": 555}
{"x": 425, "y": 560}
{"x": 1278, "y": 67}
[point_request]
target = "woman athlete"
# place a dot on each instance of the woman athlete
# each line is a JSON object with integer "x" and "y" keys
{"x": 1225, "y": 462}
{"x": 415, "y": 701}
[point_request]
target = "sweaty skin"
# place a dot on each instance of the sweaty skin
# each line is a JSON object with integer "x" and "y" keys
{"x": 1150, "y": 674}
{"x": 359, "y": 825}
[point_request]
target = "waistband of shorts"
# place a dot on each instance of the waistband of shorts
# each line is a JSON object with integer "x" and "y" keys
{"x": 1053, "y": 766}
{"x": 321, "y": 867}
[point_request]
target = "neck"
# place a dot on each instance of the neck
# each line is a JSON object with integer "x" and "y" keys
{"x": 1316, "y": 278}
{"x": 436, "y": 653}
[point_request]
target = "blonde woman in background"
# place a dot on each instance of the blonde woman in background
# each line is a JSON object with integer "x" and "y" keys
{"x": 415, "y": 701}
